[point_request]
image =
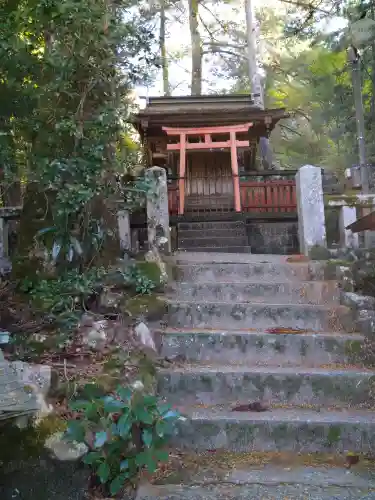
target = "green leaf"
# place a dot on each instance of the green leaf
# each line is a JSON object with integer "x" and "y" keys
{"x": 144, "y": 416}
{"x": 79, "y": 405}
{"x": 76, "y": 431}
{"x": 124, "y": 426}
{"x": 112, "y": 405}
{"x": 100, "y": 439}
{"x": 124, "y": 393}
{"x": 118, "y": 483}
{"x": 147, "y": 438}
{"x": 103, "y": 472}
{"x": 92, "y": 457}
{"x": 145, "y": 458}
{"x": 161, "y": 455}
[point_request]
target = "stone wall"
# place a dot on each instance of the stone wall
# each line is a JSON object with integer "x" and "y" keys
{"x": 269, "y": 237}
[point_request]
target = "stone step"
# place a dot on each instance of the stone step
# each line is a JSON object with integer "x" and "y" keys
{"x": 210, "y": 225}
{"x": 210, "y": 242}
{"x": 235, "y": 232}
{"x": 259, "y": 316}
{"x": 265, "y": 482}
{"x": 244, "y": 249}
{"x": 209, "y": 272}
{"x": 313, "y": 292}
{"x": 224, "y": 385}
{"x": 252, "y": 348}
{"x": 297, "y": 430}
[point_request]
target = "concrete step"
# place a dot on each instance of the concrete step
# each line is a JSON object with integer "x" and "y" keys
{"x": 266, "y": 482}
{"x": 233, "y": 232}
{"x": 297, "y": 430}
{"x": 212, "y": 242}
{"x": 259, "y": 316}
{"x": 224, "y": 385}
{"x": 313, "y": 292}
{"x": 212, "y": 272}
{"x": 245, "y": 249}
{"x": 210, "y": 225}
{"x": 254, "y": 348}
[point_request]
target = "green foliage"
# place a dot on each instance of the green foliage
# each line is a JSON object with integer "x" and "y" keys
{"x": 125, "y": 432}
{"x": 135, "y": 276}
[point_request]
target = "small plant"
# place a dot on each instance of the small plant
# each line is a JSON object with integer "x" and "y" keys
{"x": 142, "y": 283}
{"x": 126, "y": 432}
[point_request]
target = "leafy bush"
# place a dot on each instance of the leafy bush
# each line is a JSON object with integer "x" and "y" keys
{"x": 125, "y": 432}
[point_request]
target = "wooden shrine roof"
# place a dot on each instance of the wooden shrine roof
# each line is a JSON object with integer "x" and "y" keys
{"x": 203, "y": 111}
{"x": 363, "y": 223}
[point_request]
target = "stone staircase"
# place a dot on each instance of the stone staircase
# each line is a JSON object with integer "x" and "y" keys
{"x": 223, "y": 316}
{"x": 216, "y": 236}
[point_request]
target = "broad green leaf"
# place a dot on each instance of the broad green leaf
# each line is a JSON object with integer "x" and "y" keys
{"x": 92, "y": 457}
{"x": 124, "y": 425}
{"x": 100, "y": 439}
{"x": 103, "y": 472}
{"x": 161, "y": 455}
{"x": 147, "y": 437}
{"x": 76, "y": 431}
{"x": 145, "y": 458}
{"x": 124, "y": 393}
{"x": 118, "y": 483}
{"x": 144, "y": 416}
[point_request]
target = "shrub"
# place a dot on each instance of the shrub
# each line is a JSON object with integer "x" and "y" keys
{"x": 125, "y": 432}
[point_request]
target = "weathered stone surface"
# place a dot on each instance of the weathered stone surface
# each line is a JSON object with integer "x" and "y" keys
{"x": 244, "y": 272}
{"x": 44, "y": 479}
{"x": 259, "y": 316}
{"x": 268, "y": 483}
{"x": 348, "y": 239}
{"x": 124, "y": 231}
{"x": 65, "y": 450}
{"x": 157, "y": 210}
{"x": 310, "y": 206}
{"x": 308, "y": 431}
{"x": 313, "y": 292}
{"x": 145, "y": 336}
{"x": 94, "y": 333}
{"x": 296, "y": 386}
{"x": 254, "y": 348}
{"x": 357, "y": 301}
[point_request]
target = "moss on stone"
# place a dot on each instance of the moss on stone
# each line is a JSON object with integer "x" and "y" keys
{"x": 318, "y": 252}
{"x": 334, "y": 435}
{"x": 152, "y": 307}
{"x": 150, "y": 270}
{"x": 21, "y": 444}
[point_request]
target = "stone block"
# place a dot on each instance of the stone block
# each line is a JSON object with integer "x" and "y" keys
{"x": 124, "y": 230}
{"x": 256, "y": 348}
{"x": 348, "y": 239}
{"x": 157, "y": 210}
{"x": 310, "y": 205}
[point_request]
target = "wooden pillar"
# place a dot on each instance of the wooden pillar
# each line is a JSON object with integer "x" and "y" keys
{"x": 181, "y": 174}
{"x": 234, "y": 164}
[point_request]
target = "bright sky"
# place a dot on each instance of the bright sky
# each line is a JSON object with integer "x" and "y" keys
{"x": 179, "y": 38}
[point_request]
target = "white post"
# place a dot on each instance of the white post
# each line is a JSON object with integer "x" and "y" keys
{"x": 310, "y": 207}
{"x": 157, "y": 210}
{"x": 348, "y": 215}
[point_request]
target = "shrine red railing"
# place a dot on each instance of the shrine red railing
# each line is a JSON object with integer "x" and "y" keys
{"x": 260, "y": 193}
{"x": 273, "y": 196}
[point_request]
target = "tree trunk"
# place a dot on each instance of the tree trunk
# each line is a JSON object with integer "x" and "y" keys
{"x": 196, "y": 49}
{"x": 163, "y": 49}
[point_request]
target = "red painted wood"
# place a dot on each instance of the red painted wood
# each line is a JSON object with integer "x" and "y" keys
{"x": 173, "y": 199}
{"x": 207, "y": 145}
{"x": 243, "y": 127}
{"x": 270, "y": 196}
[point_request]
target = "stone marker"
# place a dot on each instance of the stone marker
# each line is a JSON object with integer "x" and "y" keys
{"x": 157, "y": 210}
{"x": 310, "y": 207}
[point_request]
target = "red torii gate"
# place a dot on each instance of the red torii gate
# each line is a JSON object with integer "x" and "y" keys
{"x": 183, "y": 146}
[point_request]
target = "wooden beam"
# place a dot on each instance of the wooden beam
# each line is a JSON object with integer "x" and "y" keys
{"x": 244, "y": 127}
{"x": 207, "y": 145}
{"x": 366, "y": 223}
{"x": 181, "y": 181}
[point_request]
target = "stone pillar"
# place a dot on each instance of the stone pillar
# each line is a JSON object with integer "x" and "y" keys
{"x": 124, "y": 230}
{"x": 348, "y": 215}
{"x": 157, "y": 210}
{"x": 310, "y": 208}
